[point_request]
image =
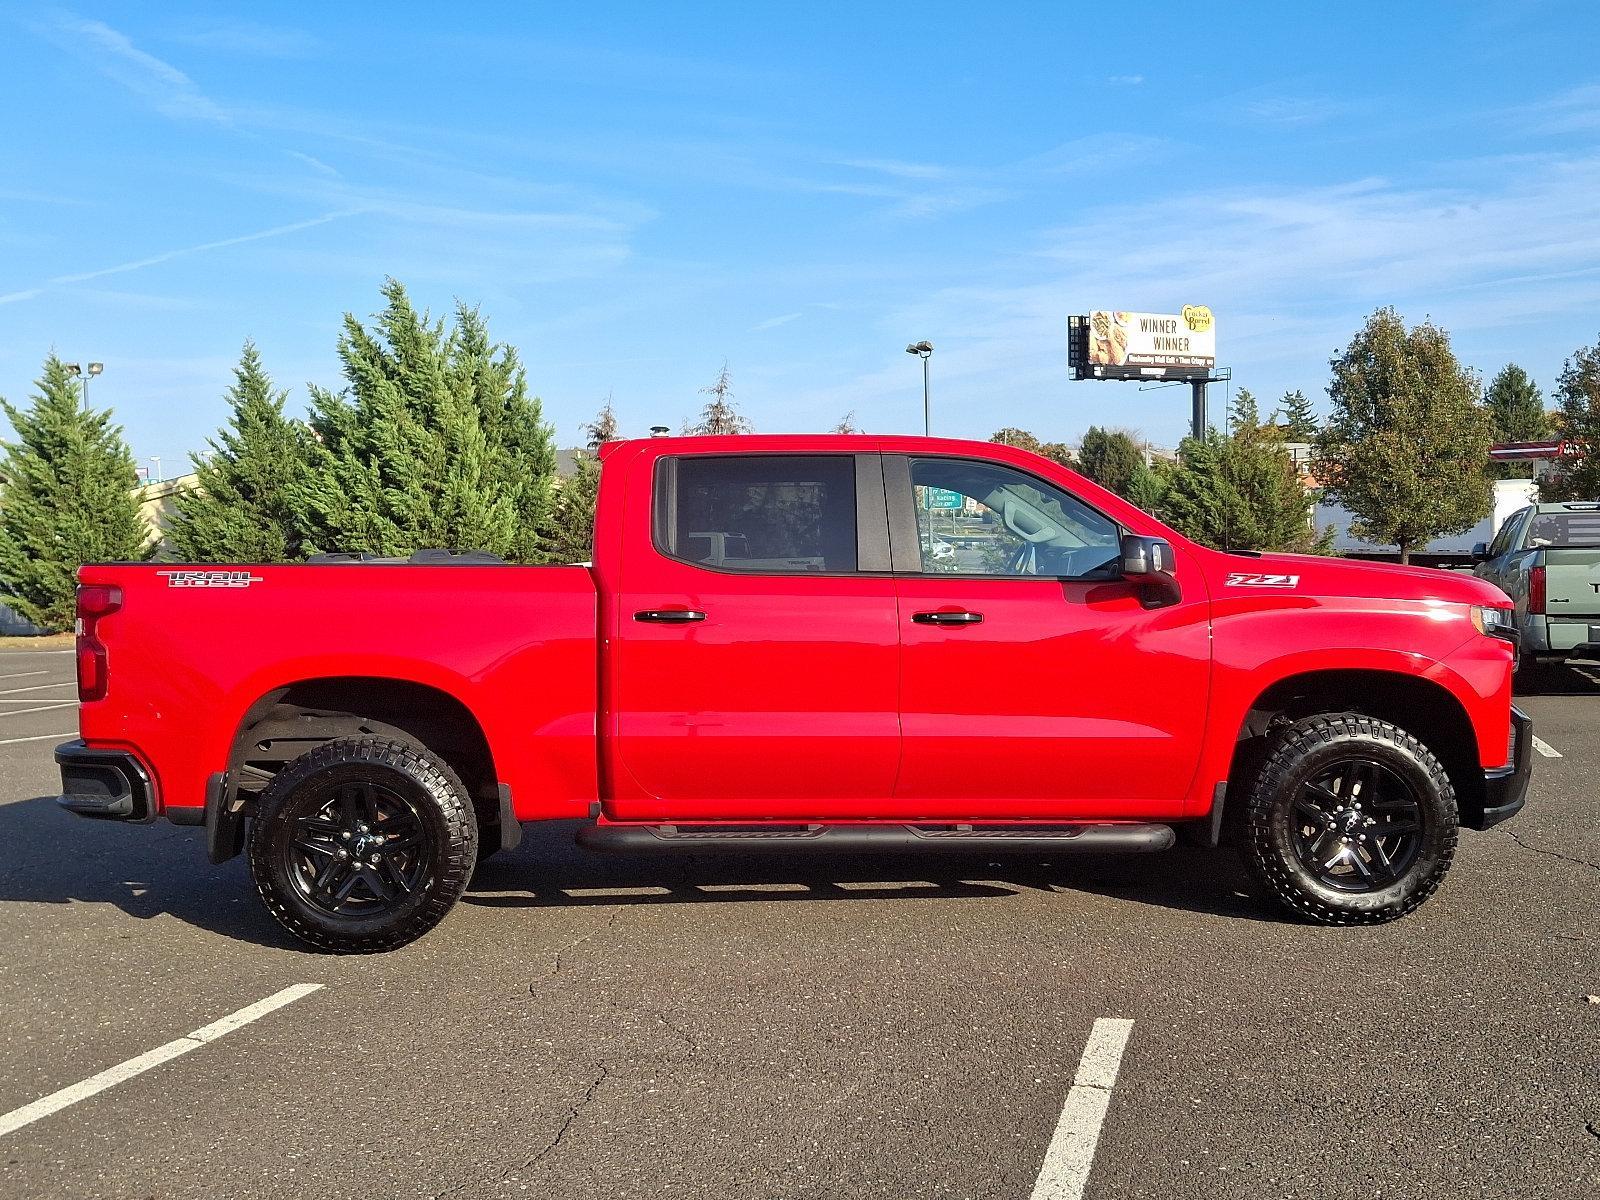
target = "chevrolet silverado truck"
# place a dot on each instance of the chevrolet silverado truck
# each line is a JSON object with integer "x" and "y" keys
{"x": 768, "y": 652}
{"x": 1546, "y": 557}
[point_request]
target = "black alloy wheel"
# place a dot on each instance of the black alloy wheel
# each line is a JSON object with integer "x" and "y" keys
{"x": 361, "y": 852}
{"x": 1351, "y": 820}
{"x": 363, "y": 843}
{"x": 1359, "y": 825}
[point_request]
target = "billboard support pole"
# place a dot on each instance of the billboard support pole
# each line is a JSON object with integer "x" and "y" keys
{"x": 1197, "y": 419}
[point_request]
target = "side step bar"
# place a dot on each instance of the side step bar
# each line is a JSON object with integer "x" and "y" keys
{"x": 868, "y": 839}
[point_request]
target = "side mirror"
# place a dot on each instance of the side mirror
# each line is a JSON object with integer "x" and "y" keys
{"x": 1480, "y": 552}
{"x": 1149, "y": 562}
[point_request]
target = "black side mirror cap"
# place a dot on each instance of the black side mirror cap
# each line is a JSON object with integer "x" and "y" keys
{"x": 1149, "y": 562}
{"x": 1480, "y": 552}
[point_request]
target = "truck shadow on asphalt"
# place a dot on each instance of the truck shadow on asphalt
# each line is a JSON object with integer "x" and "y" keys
{"x": 50, "y": 857}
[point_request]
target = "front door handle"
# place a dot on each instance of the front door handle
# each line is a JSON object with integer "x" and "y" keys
{"x": 669, "y": 616}
{"x": 947, "y": 618}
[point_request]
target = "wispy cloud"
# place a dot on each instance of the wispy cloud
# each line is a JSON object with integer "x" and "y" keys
{"x": 140, "y": 264}
{"x": 1576, "y": 110}
{"x": 774, "y": 322}
{"x": 113, "y": 54}
{"x": 251, "y": 39}
{"x": 898, "y": 168}
{"x": 316, "y": 164}
{"x": 1292, "y": 111}
{"x": 1125, "y": 80}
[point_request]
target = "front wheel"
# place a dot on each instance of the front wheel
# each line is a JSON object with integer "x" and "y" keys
{"x": 1352, "y": 821}
{"x": 362, "y": 844}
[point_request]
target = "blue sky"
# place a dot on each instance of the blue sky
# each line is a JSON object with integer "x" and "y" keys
{"x": 635, "y": 193}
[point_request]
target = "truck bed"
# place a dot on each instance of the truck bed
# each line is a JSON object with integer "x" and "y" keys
{"x": 191, "y": 652}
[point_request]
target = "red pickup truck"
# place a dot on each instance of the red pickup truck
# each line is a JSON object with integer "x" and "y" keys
{"x": 804, "y": 643}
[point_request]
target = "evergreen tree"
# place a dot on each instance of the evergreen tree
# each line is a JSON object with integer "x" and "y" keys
{"x": 1578, "y": 395}
{"x": 720, "y": 415}
{"x": 572, "y": 529}
{"x": 1111, "y": 458}
{"x": 1241, "y": 492}
{"x": 1516, "y": 408}
{"x": 434, "y": 443}
{"x": 1406, "y": 445}
{"x": 1058, "y": 452}
{"x": 67, "y": 498}
{"x": 1299, "y": 421}
{"x": 242, "y": 508}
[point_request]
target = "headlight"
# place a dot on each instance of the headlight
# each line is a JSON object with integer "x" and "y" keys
{"x": 1496, "y": 622}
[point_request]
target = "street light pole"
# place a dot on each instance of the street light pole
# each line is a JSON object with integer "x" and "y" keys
{"x": 924, "y": 351}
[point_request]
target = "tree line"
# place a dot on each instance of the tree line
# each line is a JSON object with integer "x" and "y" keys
{"x": 434, "y": 440}
{"x": 1404, "y": 447}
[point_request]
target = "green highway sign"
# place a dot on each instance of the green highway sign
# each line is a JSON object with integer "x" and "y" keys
{"x": 942, "y": 498}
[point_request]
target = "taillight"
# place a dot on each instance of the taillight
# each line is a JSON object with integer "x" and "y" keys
{"x": 1536, "y": 590}
{"x": 95, "y": 600}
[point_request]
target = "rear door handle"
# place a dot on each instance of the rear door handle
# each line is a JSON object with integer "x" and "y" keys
{"x": 669, "y": 616}
{"x": 947, "y": 618}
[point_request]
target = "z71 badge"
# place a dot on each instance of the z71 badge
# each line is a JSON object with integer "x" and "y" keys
{"x": 1255, "y": 579}
{"x": 210, "y": 579}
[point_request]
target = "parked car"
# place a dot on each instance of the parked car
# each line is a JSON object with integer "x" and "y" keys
{"x": 1546, "y": 557}
{"x": 367, "y": 730}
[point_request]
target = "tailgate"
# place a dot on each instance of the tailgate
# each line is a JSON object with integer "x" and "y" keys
{"x": 1572, "y": 583}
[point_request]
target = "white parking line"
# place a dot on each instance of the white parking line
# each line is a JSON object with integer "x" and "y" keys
{"x": 1545, "y": 748}
{"x": 19, "y": 712}
{"x": 21, "y": 674}
{"x": 1071, "y": 1154}
{"x": 38, "y": 687}
{"x": 38, "y": 737}
{"x": 95, "y": 1084}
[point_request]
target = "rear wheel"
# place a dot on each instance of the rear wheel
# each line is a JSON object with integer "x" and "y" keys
{"x": 1352, "y": 821}
{"x": 363, "y": 844}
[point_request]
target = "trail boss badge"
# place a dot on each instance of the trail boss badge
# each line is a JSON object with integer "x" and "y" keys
{"x": 210, "y": 579}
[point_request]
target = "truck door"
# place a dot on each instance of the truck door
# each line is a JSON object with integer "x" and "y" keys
{"x": 1034, "y": 683}
{"x": 754, "y": 665}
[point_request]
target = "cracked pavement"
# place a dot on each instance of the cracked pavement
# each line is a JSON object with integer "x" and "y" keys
{"x": 712, "y": 1026}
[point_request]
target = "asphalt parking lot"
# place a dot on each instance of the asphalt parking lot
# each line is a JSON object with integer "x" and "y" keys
{"x": 784, "y": 1027}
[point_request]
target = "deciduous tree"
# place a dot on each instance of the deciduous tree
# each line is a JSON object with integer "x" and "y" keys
{"x": 1578, "y": 397}
{"x": 1055, "y": 451}
{"x": 1405, "y": 447}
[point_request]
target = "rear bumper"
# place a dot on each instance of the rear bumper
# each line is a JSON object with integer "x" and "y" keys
{"x": 1505, "y": 789}
{"x": 104, "y": 785}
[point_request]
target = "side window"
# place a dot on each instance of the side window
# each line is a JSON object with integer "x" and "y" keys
{"x": 1508, "y": 528}
{"x": 977, "y": 518}
{"x": 767, "y": 514}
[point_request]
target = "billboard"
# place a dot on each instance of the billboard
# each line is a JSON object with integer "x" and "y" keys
{"x": 1109, "y": 344}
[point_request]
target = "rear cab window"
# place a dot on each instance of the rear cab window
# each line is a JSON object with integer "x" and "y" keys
{"x": 768, "y": 514}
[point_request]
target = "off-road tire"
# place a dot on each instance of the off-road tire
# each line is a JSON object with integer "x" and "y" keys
{"x": 1295, "y": 757}
{"x": 449, "y": 830}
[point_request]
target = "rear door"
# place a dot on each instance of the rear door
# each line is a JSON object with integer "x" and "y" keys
{"x": 756, "y": 641}
{"x": 1035, "y": 683}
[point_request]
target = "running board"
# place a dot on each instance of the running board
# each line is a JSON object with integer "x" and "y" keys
{"x": 855, "y": 839}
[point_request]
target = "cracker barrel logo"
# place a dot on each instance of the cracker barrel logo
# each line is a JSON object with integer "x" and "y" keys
{"x": 1197, "y": 317}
